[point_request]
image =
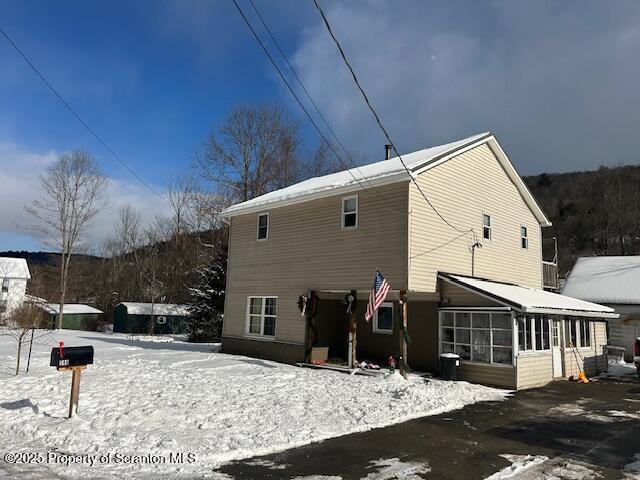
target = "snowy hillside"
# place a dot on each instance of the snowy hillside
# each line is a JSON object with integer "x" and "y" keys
{"x": 158, "y": 398}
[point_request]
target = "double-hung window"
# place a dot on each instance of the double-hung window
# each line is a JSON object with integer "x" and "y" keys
{"x": 524, "y": 239}
{"x": 383, "y": 319}
{"x": 261, "y": 316}
{"x": 350, "y": 212}
{"x": 263, "y": 226}
{"x": 486, "y": 226}
{"x": 5, "y": 284}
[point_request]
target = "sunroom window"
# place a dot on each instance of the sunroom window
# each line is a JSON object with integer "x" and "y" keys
{"x": 477, "y": 336}
{"x": 533, "y": 333}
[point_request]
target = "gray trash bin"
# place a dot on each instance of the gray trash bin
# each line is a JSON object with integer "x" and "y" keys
{"x": 449, "y": 363}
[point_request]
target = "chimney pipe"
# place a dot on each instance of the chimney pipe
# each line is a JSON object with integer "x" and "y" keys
{"x": 387, "y": 151}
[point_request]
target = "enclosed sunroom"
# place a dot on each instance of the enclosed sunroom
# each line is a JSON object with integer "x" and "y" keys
{"x": 518, "y": 337}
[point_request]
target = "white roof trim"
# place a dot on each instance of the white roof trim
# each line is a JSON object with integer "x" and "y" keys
{"x": 384, "y": 173}
{"x": 512, "y": 173}
{"x": 529, "y": 300}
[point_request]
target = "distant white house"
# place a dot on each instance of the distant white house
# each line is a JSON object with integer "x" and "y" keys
{"x": 615, "y": 282}
{"x": 14, "y": 274}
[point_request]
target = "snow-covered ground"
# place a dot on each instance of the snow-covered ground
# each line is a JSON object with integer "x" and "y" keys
{"x": 154, "y": 399}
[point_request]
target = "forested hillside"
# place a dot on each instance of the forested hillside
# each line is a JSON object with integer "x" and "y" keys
{"x": 593, "y": 213}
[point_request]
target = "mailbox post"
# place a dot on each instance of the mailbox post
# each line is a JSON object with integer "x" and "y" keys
{"x": 75, "y": 359}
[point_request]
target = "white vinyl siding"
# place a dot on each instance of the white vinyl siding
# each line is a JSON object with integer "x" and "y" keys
{"x": 481, "y": 186}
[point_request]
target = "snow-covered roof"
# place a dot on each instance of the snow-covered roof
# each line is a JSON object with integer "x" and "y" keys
{"x": 530, "y": 300}
{"x": 70, "y": 308}
{"x": 613, "y": 280}
{"x": 381, "y": 173}
{"x": 137, "y": 308}
{"x": 14, "y": 268}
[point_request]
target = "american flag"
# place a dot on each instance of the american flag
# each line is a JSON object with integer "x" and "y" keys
{"x": 377, "y": 295}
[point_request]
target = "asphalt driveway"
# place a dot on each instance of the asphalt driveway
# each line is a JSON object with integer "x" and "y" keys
{"x": 575, "y": 432}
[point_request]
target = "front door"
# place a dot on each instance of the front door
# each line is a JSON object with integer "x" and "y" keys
{"x": 556, "y": 348}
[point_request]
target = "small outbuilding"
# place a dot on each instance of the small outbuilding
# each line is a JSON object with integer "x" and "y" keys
{"x": 75, "y": 316}
{"x": 612, "y": 281}
{"x": 134, "y": 317}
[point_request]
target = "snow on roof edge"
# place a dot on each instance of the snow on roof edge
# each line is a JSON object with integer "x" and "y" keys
{"x": 526, "y": 297}
{"x": 384, "y": 171}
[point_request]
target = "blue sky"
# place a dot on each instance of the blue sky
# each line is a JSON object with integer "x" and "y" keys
{"x": 557, "y": 82}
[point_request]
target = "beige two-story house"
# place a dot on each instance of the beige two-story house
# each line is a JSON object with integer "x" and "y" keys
{"x": 456, "y": 233}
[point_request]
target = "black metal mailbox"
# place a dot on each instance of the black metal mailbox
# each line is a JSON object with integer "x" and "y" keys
{"x": 71, "y": 356}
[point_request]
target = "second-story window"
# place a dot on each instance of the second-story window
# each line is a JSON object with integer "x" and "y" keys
{"x": 524, "y": 239}
{"x": 350, "y": 212}
{"x": 486, "y": 226}
{"x": 5, "y": 284}
{"x": 263, "y": 226}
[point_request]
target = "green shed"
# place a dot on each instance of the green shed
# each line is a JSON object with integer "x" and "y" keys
{"x": 134, "y": 317}
{"x": 75, "y": 316}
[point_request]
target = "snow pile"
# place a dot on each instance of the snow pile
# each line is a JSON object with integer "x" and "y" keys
{"x": 620, "y": 368}
{"x": 519, "y": 464}
{"x": 149, "y": 398}
{"x": 394, "y": 468}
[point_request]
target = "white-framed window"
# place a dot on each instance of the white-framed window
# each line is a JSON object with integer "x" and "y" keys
{"x": 350, "y": 212}
{"x": 485, "y": 337}
{"x": 383, "y": 319}
{"x": 5, "y": 284}
{"x": 524, "y": 239}
{"x": 533, "y": 333}
{"x": 577, "y": 332}
{"x": 571, "y": 332}
{"x": 261, "y": 316}
{"x": 486, "y": 226}
{"x": 263, "y": 226}
{"x": 585, "y": 333}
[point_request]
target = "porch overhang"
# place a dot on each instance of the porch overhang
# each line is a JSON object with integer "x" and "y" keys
{"x": 528, "y": 300}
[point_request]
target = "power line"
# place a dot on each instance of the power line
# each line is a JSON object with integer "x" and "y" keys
{"x": 304, "y": 109}
{"x": 315, "y": 106}
{"x": 75, "y": 114}
{"x": 377, "y": 118}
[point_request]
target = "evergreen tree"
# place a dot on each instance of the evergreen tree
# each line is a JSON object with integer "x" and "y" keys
{"x": 206, "y": 306}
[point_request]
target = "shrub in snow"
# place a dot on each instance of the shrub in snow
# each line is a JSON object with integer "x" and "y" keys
{"x": 206, "y": 305}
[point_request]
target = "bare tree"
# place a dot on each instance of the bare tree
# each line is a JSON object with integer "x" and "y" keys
{"x": 72, "y": 193}
{"x": 24, "y": 318}
{"x": 253, "y": 152}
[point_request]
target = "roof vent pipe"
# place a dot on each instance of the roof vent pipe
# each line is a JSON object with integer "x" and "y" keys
{"x": 387, "y": 151}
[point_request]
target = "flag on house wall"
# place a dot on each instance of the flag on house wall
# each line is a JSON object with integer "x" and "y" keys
{"x": 377, "y": 295}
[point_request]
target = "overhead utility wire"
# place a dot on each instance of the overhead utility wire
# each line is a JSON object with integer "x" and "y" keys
{"x": 375, "y": 114}
{"x": 304, "y": 88}
{"x": 304, "y": 109}
{"x": 75, "y": 114}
